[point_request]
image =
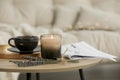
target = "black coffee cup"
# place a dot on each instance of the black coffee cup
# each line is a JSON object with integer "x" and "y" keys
{"x": 26, "y": 44}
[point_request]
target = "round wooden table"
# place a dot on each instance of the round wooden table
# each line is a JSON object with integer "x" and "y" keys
{"x": 7, "y": 66}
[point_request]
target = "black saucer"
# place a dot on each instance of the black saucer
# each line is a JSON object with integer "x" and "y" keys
{"x": 12, "y": 49}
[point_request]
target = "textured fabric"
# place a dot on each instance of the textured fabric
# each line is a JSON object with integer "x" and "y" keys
{"x": 73, "y": 3}
{"x": 8, "y": 76}
{"x": 111, "y": 6}
{"x": 91, "y": 18}
{"x": 44, "y": 13}
{"x": 65, "y": 17}
{"x": 66, "y": 13}
{"x": 33, "y": 12}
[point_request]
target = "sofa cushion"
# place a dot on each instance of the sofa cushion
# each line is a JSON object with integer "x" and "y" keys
{"x": 33, "y": 12}
{"x": 9, "y": 13}
{"x": 67, "y": 12}
{"x": 44, "y": 13}
{"x": 91, "y": 18}
{"x": 72, "y": 2}
{"x": 111, "y": 6}
{"x": 65, "y": 17}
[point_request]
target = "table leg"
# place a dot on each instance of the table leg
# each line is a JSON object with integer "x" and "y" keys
{"x": 28, "y": 76}
{"x": 37, "y": 76}
{"x": 81, "y": 74}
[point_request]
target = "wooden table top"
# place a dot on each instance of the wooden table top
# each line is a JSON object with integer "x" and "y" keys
{"x": 7, "y": 66}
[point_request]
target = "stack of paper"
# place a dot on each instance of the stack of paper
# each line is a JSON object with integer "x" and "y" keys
{"x": 82, "y": 50}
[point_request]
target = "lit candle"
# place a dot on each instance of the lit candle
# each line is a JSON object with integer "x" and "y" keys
{"x": 50, "y": 46}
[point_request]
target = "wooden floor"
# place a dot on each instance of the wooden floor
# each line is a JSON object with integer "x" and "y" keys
{"x": 100, "y": 72}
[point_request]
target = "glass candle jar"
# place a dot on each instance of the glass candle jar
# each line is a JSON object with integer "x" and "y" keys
{"x": 50, "y": 46}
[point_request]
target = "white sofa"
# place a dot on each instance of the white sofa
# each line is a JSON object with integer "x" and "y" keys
{"x": 93, "y": 21}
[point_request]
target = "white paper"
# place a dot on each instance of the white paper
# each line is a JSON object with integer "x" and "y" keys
{"x": 82, "y": 50}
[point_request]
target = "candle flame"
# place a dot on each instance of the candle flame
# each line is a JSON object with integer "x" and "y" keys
{"x": 51, "y": 36}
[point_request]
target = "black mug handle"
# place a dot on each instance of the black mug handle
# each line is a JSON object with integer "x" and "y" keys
{"x": 9, "y": 42}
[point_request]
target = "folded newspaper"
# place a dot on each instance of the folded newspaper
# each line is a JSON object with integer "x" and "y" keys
{"x": 83, "y": 50}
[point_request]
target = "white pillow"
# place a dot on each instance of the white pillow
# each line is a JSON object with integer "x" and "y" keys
{"x": 91, "y": 18}
{"x": 9, "y": 13}
{"x": 36, "y": 12}
{"x": 107, "y": 5}
{"x": 65, "y": 17}
{"x": 72, "y": 2}
{"x": 45, "y": 12}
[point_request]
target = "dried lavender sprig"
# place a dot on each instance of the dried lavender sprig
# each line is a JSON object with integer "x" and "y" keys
{"x": 32, "y": 58}
{"x": 30, "y": 63}
{"x": 27, "y": 63}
